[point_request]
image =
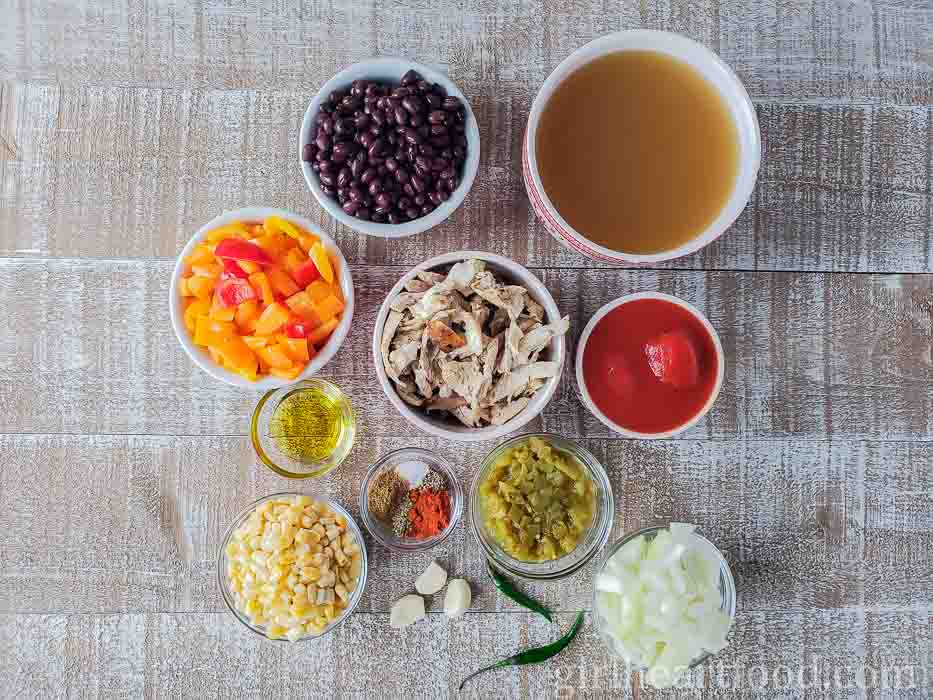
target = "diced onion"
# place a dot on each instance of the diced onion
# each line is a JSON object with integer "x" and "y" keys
{"x": 661, "y": 603}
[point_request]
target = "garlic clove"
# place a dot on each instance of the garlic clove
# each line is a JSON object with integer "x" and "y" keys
{"x": 458, "y": 598}
{"x": 407, "y": 610}
{"x": 432, "y": 580}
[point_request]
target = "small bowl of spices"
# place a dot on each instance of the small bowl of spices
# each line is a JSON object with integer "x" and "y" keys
{"x": 411, "y": 500}
{"x": 304, "y": 429}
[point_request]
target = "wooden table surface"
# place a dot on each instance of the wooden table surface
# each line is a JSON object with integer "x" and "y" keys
{"x": 124, "y": 129}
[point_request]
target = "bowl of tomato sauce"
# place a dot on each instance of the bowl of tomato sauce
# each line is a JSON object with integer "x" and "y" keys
{"x": 649, "y": 365}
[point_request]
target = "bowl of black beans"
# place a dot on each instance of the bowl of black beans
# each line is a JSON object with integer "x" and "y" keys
{"x": 389, "y": 147}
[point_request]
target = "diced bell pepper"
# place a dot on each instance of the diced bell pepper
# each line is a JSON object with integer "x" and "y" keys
{"x": 272, "y": 319}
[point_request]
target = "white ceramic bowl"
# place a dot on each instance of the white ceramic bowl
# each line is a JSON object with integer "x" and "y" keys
{"x": 200, "y": 356}
{"x": 711, "y": 67}
{"x": 505, "y": 269}
{"x": 581, "y": 348}
{"x": 390, "y": 69}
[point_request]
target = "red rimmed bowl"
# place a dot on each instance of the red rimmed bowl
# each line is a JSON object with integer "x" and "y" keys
{"x": 714, "y": 70}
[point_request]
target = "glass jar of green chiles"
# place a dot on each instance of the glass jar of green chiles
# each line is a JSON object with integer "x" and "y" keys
{"x": 537, "y": 501}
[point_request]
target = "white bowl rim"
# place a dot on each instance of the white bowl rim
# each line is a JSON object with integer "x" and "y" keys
{"x": 363, "y": 70}
{"x": 201, "y": 358}
{"x": 736, "y": 98}
{"x": 581, "y": 382}
{"x": 463, "y": 433}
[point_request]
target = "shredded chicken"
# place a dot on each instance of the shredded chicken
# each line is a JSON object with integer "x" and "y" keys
{"x": 466, "y": 345}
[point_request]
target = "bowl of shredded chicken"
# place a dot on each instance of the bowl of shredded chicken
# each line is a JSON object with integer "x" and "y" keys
{"x": 469, "y": 346}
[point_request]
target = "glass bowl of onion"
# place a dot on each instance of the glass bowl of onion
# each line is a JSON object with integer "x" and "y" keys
{"x": 664, "y": 601}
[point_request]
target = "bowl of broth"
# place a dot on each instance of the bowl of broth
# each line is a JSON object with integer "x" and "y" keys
{"x": 641, "y": 146}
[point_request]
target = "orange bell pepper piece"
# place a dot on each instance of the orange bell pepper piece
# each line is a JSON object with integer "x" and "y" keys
{"x": 211, "y": 270}
{"x": 303, "y": 306}
{"x": 273, "y": 356}
{"x": 248, "y": 267}
{"x": 319, "y": 290}
{"x": 235, "y": 229}
{"x": 246, "y": 312}
{"x": 275, "y": 244}
{"x": 272, "y": 319}
{"x": 294, "y": 259}
{"x": 307, "y": 241}
{"x": 236, "y": 352}
{"x": 222, "y": 314}
{"x": 322, "y": 333}
{"x": 183, "y": 288}
{"x": 201, "y": 255}
{"x": 281, "y": 282}
{"x": 202, "y": 287}
{"x": 276, "y": 223}
{"x": 289, "y": 374}
{"x": 195, "y": 309}
{"x": 328, "y": 308}
{"x": 319, "y": 256}
{"x": 262, "y": 285}
{"x": 254, "y": 342}
{"x": 295, "y": 348}
{"x": 251, "y": 374}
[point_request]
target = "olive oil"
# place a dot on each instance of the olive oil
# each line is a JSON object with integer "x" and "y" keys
{"x": 307, "y": 425}
{"x": 637, "y": 151}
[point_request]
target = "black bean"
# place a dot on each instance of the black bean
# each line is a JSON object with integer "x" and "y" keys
{"x": 411, "y": 76}
{"x": 412, "y": 152}
{"x": 383, "y": 201}
{"x": 418, "y": 183}
{"x": 416, "y": 119}
{"x": 424, "y": 130}
{"x": 327, "y": 108}
{"x": 435, "y": 197}
{"x": 438, "y": 116}
{"x": 394, "y": 218}
{"x": 308, "y": 151}
{"x": 419, "y": 200}
{"x": 426, "y": 209}
{"x": 434, "y": 101}
{"x": 460, "y": 140}
{"x": 412, "y": 136}
{"x": 382, "y": 170}
{"x": 424, "y": 86}
{"x": 427, "y": 149}
{"x": 438, "y": 129}
{"x": 352, "y": 102}
{"x": 413, "y": 103}
{"x": 379, "y": 216}
{"x": 356, "y": 194}
{"x": 326, "y": 122}
{"x": 321, "y": 156}
{"x": 377, "y": 147}
{"x": 391, "y": 164}
{"x": 439, "y": 164}
{"x": 459, "y": 128}
{"x": 402, "y": 176}
{"x": 375, "y": 187}
{"x": 392, "y": 103}
{"x": 401, "y": 116}
{"x": 447, "y": 173}
{"x": 451, "y": 103}
{"x": 329, "y": 191}
{"x": 344, "y": 150}
{"x": 444, "y": 195}
{"x": 408, "y": 189}
{"x": 403, "y": 203}
{"x": 323, "y": 142}
{"x": 375, "y": 130}
{"x": 362, "y": 213}
{"x": 328, "y": 179}
{"x": 441, "y": 140}
{"x": 459, "y": 152}
{"x": 369, "y": 175}
{"x": 362, "y": 121}
{"x": 344, "y": 177}
{"x": 439, "y": 89}
{"x": 315, "y": 166}
{"x": 343, "y": 127}
{"x": 423, "y": 162}
{"x": 411, "y": 213}
{"x": 358, "y": 164}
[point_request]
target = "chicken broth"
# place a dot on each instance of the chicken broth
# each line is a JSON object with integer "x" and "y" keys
{"x": 637, "y": 151}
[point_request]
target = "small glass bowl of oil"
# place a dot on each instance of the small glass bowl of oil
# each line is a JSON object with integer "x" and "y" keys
{"x": 304, "y": 429}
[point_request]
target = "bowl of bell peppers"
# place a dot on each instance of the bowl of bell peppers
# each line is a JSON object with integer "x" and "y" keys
{"x": 261, "y": 298}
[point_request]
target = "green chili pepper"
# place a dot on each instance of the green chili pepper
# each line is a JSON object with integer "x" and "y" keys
{"x": 535, "y": 655}
{"x": 507, "y": 589}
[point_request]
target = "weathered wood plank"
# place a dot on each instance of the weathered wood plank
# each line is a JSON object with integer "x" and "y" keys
{"x": 841, "y": 188}
{"x": 806, "y": 355}
{"x": 138, "y": 520}
{"x": 781, "y": 48}
{"x": 203, "y": 655}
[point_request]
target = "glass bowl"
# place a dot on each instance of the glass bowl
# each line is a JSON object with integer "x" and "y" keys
{"x": 222, "y": 562}
{"x": 285, "y": 465}
{"x": 726, "y": 588}
{"x": 383, "y": 534}
{"x": 594, "y": 539}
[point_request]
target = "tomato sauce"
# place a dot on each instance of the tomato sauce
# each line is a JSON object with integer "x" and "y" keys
{"x": 620, "y": 379}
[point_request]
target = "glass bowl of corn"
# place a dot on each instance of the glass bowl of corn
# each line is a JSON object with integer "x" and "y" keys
{"x": 292, "y": 566}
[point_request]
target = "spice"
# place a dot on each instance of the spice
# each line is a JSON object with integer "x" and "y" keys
{"x": 434, "y": 480}
{"x": 383, "y": 493}
{"x": 430, "y": 513}
{"x": 400, "y": 521}
{"x": 535, "y": 655}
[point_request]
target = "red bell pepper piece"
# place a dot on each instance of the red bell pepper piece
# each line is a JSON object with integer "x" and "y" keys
{"x": 297, "y": 329}
{"x": 305, "y": 273}
{"x": 234, "y": 292}
{"x": 232, "y": 270}
{"x": 237, "y": 249}
{"x": 672, "y": 358}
